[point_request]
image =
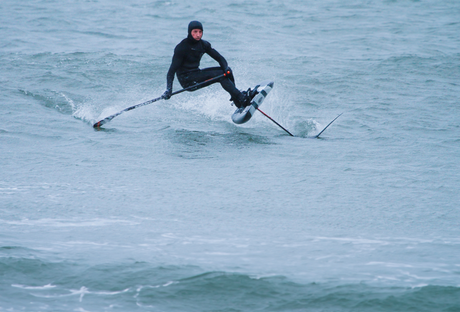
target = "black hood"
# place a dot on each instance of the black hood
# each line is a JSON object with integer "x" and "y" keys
{"x": 193, "y": 25}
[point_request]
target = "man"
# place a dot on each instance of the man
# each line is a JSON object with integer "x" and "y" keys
{"x": 186, "y": 61}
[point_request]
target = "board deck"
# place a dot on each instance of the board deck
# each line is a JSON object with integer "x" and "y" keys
{"x": 244, "y": 114}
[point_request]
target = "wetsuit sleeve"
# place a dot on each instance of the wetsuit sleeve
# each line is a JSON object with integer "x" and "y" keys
{"x": 215, "y": 55}
{"x": 177, "y": 60}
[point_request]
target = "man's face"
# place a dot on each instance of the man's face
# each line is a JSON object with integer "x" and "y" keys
{"x": 197, "y": 34}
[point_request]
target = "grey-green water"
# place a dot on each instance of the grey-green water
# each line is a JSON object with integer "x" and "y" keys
{"x": 172, "y": 207}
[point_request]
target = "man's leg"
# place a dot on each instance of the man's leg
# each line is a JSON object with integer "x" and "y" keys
{"x": 228, "y": 82}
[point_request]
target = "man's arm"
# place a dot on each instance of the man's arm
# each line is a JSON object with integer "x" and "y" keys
{"x": 215, "y": 55}
{"x": 175, "y": 64}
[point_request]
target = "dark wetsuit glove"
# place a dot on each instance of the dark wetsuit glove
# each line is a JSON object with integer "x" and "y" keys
{"x": 167, "y": 94}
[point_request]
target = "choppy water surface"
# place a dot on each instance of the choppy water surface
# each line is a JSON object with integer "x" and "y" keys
{"x": 172, "y": 207}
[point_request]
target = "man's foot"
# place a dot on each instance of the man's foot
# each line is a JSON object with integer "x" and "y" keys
{"x": 240, "y": 100}
{"x": 248, "y": 96}
{"x": 245, "y": 98}
{"x": 253, "y": 93}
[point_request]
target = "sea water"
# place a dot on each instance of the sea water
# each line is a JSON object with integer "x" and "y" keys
{"x": 172, "y": 207}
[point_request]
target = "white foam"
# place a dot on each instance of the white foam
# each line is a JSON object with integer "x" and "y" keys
{"x": 82, "y": 292}
{"x": 209, "y": 102}
{"x": 45, "y": 287}
{"x": 139, "y": 289}
{"x": 85, "y": 113}
{"x": 353, "y": 240}
{"x": 390, "y": 264}
{"x": 69, "y": 222}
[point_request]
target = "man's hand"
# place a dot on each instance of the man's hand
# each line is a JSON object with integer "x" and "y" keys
{"x": 167, "y": 95}
{"x": 228, "y": 71}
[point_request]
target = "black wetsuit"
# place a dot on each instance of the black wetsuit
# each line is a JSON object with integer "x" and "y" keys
{"x": 186, "y": 62}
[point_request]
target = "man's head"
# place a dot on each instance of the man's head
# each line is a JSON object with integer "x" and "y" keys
{"x": 195, "y": 30}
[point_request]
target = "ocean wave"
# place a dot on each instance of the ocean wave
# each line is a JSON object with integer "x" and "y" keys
{"x": 189, "y": 288}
